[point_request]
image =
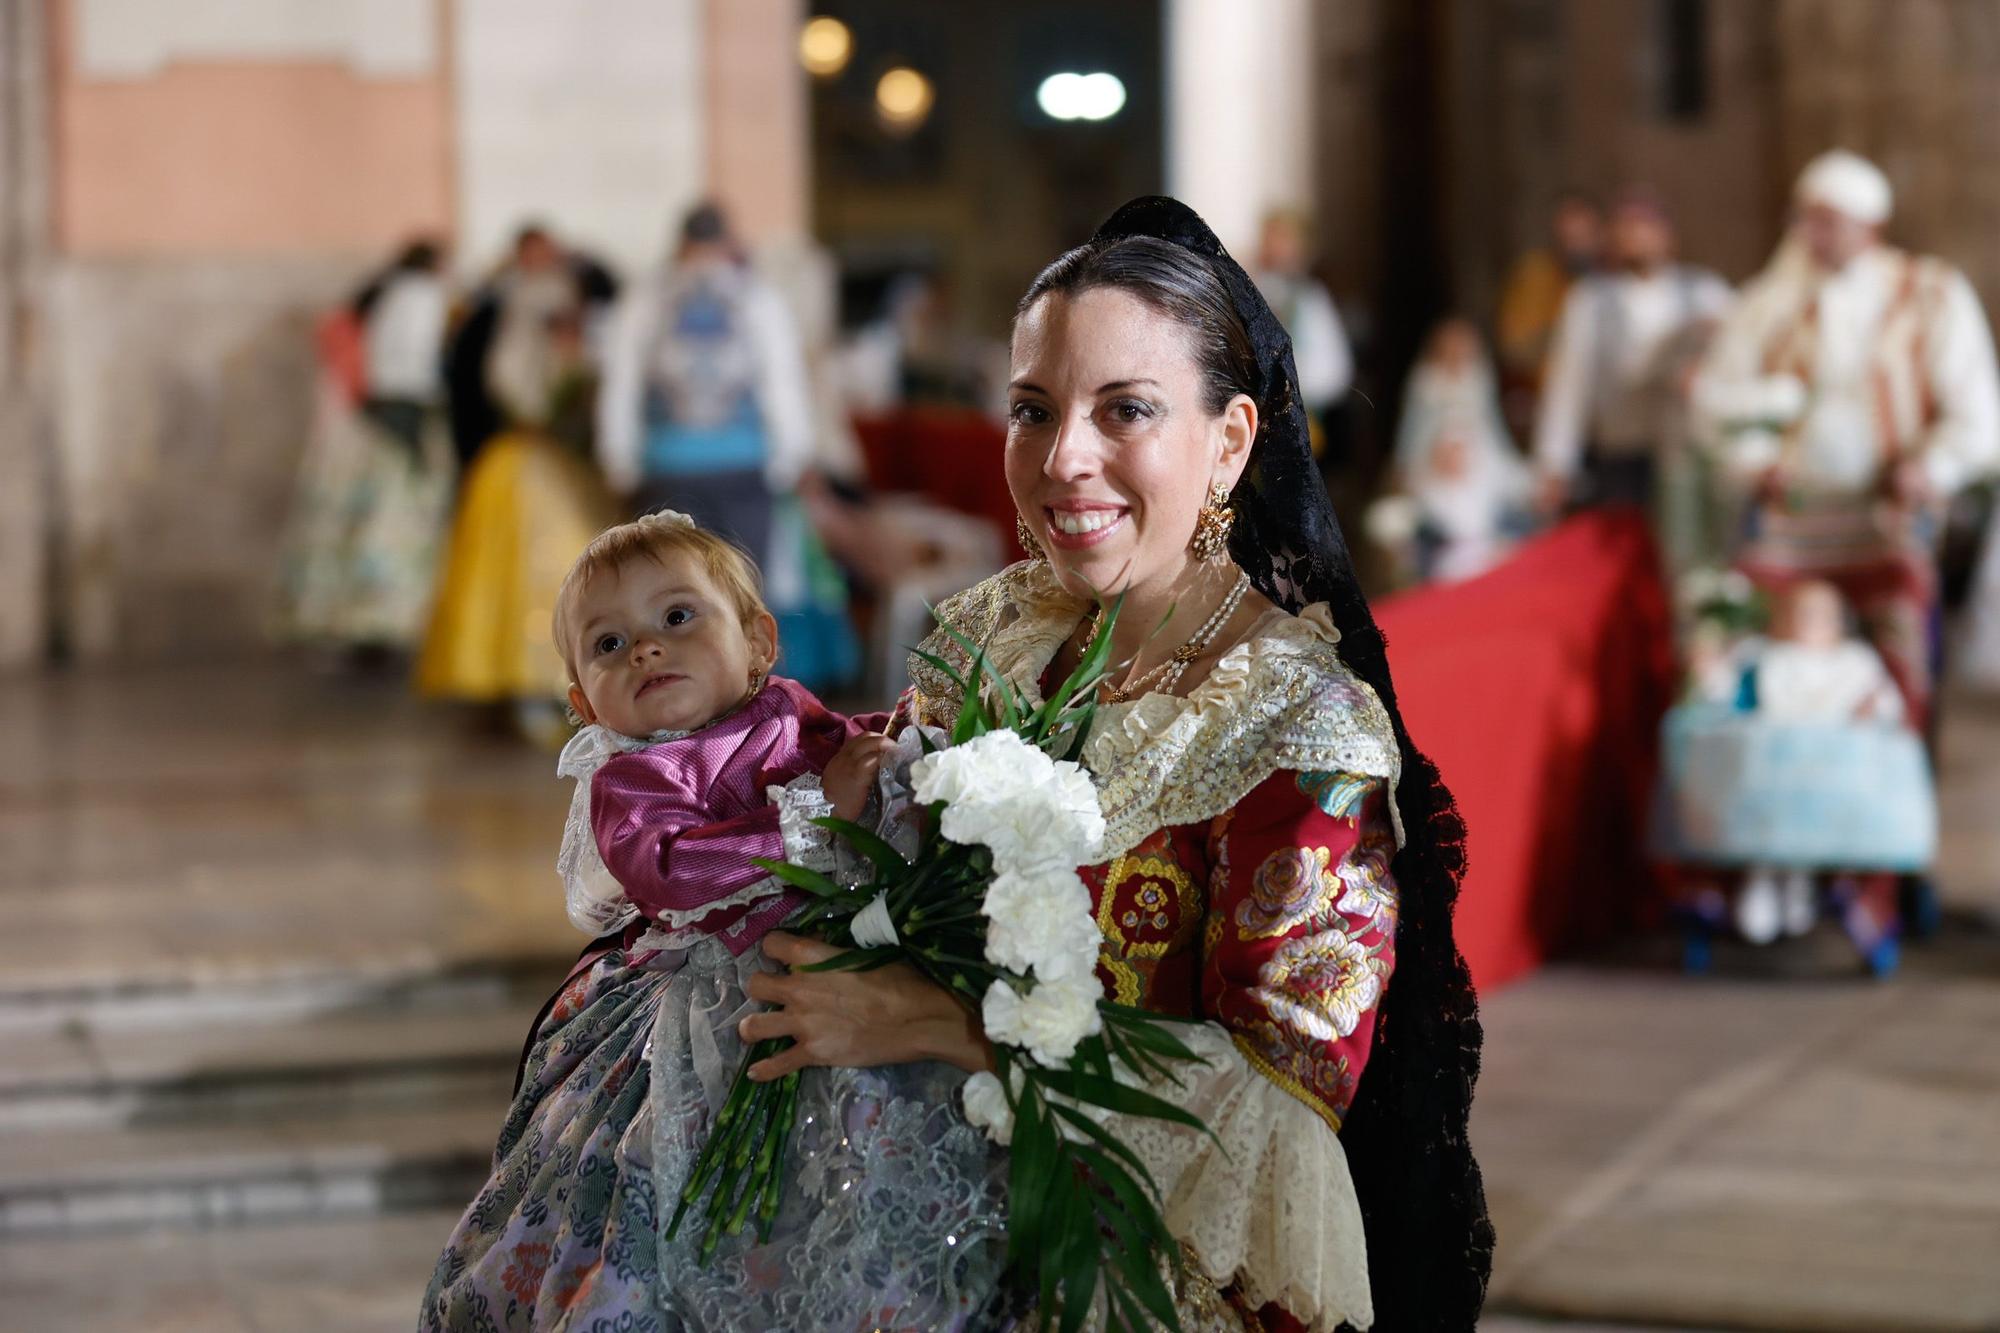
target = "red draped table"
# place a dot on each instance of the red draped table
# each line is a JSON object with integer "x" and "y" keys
{"x": 1538, "y": 689}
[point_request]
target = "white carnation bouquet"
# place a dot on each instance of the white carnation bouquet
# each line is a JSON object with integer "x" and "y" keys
{"x": 991, "y": 908}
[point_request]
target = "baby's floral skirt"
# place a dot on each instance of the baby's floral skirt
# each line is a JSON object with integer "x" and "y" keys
{"x": 893, "y": 1216}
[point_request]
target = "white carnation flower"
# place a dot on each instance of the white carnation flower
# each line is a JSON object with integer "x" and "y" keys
{"x": 1041, "y": 920}
{"x": 1075, "y": 956}
{"x": 1072, "y": 799}
{"x": 1004, "y": 794}
{"x": 989, "y": 767}
{"x": 1048, "y": 1022}
{"x": 986, "y": 1106}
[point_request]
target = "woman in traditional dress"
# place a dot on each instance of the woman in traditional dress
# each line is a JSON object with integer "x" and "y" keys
{"x": 1284, "y": 861}
{"x": 378, "y": 470}
{"x": 530, "y": 501}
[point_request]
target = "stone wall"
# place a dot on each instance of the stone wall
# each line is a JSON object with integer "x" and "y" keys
{"x": 182, "y": 393}
{"x": 1550, "y": 95}
{"x": 1915, "y": 85}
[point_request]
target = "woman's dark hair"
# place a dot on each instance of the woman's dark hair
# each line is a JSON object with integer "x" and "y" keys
{"x": 419, "y": 256}
{"x": 1430, "y": 1244}
{"x": 1180, "y": 285}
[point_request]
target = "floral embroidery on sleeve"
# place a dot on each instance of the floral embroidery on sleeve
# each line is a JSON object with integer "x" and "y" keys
{"x": 1292, "y": 887}
{"x": 1301, "y": 937}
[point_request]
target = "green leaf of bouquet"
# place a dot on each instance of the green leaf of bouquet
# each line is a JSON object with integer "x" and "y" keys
{"x": 886, "y": 858}
{"x": 972, "y": 722}
{"x": 1115, "y": 1096}
{"x": 799, "y": 877}
{"x": 855, "y": 960}
{"x": 1083, "y": 1256}
{"x": 951, "y": 672}
{"x": 1151, "y": 1036}
{"x": 1090, "y": 666}
{"x": 1108, "y": 1142}
{"x": 1142, "y": 1234}
{"x": 1152, "y": 1016}
{"x": 1064, "y": 1219}
{"x": 1028, "y": 1178}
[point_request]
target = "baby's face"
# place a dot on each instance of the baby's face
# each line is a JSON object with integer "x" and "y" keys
{"x": 657, "y": 646}
{"x": 1811, "y": 615}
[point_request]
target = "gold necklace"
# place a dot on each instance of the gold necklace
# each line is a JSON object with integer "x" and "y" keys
{"x": 1169, "y": 672}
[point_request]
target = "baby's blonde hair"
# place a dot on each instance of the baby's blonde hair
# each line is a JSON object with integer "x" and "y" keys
{"x": 655, "y": 537}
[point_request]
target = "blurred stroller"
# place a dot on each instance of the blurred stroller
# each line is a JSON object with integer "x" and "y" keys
{"x": 1791, "y": 781}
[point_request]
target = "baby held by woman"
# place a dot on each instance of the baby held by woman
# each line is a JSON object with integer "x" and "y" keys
{"x": 692, "y": 754}
{"x": 694, "y": 762}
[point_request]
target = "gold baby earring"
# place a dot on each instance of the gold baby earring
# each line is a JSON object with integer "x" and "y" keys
{"x": 1026, "y": 536}
{"x": 1212, "y": 524}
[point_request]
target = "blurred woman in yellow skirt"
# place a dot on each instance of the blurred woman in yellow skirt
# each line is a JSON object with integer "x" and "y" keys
{"x": 529, "y": 504}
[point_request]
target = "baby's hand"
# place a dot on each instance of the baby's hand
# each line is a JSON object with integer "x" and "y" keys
{"x": 849, "y": 778}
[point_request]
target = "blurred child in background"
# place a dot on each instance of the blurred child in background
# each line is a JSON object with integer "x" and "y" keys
{"x": 1461, "y": 493}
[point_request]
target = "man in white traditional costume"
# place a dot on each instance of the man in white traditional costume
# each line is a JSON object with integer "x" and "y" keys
{"x": 1850, "y": 393}
{"x": 1612, "y": 398}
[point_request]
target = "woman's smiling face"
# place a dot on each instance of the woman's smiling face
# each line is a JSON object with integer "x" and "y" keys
{"x": 1111, "y": 450}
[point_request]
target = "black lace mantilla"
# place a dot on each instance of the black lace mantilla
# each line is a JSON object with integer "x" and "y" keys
{"x": 1430, "y": 1242}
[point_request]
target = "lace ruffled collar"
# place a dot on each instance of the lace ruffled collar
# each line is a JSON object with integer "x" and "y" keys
{"x": 1280, "y": 698}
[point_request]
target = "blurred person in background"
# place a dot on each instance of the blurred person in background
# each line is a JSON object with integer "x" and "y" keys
{"x": 497, "y": 366}
{"x": 377, "y": 472}
{"x": 707, "y": 408}
{"x": 1793, "y": 769}
{"x": 1850, "y": 393}
{"x": 916, "y": 353}
{"x": 1531, "y": 301}
{"x": 530, "y": 500}
{"x": 1611, "y": 402}
{"x": 1283, "y": 274}
{"x": 1462, "y": 494}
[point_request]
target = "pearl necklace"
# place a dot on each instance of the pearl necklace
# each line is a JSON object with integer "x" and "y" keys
{"x": 1170, "y": 671}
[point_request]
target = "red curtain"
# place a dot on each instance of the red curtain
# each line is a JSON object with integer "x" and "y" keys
{"x": 1538, "y": 689}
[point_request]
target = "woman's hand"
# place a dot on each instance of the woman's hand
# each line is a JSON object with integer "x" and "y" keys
{"x": 892, "y": 1015}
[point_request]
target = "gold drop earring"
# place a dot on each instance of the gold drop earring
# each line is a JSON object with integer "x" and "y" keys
{"x": 1212, "y": 525}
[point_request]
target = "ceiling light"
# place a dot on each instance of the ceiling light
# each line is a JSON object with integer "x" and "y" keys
{"x": 1071, "y": 96}
{"x": 825, "y": 46}
{"x": 904, "y": 97}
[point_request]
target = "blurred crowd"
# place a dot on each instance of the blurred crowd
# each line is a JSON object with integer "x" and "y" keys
{"x": 1814, "y": 453}
{"x": 467, "y": 444}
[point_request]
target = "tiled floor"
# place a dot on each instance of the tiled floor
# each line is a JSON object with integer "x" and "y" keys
{"x": 191, "y": 863}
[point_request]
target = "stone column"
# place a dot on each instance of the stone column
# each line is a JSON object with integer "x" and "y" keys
{"x": 586, "y": 115}
{"x": 1240, "y": 111}
{"x": 755, "y": 112}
